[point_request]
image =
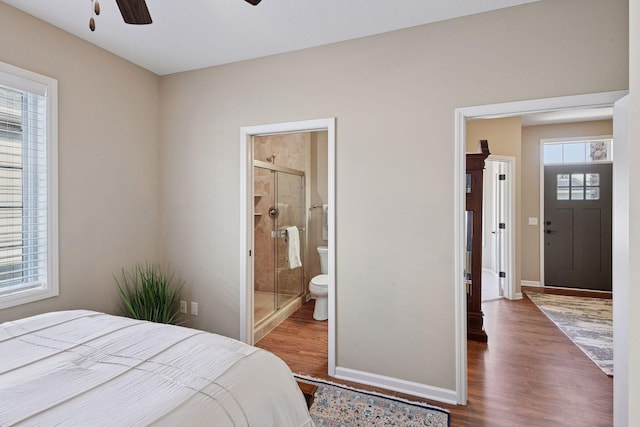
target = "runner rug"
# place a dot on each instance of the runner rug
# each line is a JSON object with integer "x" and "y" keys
{"x": 339, "y": 405}
{"x": 588, "y": 322}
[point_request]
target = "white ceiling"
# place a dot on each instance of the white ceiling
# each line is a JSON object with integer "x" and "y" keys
{"x": 191, "y": 34}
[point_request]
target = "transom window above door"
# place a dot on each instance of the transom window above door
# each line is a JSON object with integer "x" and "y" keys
{"x": 578, "y": 151}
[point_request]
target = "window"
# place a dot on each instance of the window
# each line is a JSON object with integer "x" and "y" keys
{"x": 572, "y": 151}
{"x": 28, "y": 187}
{"x": 578, "y": 186}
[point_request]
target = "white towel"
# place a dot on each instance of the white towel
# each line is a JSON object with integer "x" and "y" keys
{"x": 293, "y": 249}
{"x": 325, "y": 222}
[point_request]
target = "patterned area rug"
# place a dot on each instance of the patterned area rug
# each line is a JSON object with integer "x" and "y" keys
{"x": 588, "y": 322}
{"x": 338, "y": 405}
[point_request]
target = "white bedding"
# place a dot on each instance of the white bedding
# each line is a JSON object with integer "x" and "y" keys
{"x": 89, "y": 369}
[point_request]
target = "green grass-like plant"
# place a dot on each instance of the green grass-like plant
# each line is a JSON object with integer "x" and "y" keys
{"x": 150, "y": 293}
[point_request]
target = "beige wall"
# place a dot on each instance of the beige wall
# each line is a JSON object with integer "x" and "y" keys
{"x": 394, "y": 96}
{"x": 503, "y": 136}
{"x": 531, "y": 136}
{"x": 109, "y": 194}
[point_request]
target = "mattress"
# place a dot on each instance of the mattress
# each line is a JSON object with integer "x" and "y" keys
{"x": 86, "y": 368}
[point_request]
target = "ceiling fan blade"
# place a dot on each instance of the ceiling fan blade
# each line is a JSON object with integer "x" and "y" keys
{"x": 253, "y": 2}
{"x": 135, "y": 12}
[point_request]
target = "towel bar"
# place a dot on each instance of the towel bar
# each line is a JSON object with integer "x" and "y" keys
{"x": 282, "y": 232}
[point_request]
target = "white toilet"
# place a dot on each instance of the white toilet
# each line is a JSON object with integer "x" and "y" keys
{"x": 319, "y": 286}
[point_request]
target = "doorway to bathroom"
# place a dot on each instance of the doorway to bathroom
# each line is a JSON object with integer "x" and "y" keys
{"x": 287, "y": 211}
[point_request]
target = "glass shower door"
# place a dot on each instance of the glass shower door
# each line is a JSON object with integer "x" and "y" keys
{"x": 290, "y": 206}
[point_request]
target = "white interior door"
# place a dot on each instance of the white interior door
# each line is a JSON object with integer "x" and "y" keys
{"x": 490, "y": 219}
{"x": 493, "y": 236}
{"x": 501, "y": 221}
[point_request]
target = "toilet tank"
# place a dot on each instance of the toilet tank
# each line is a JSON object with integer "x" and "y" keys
{"x": 323, "y": 251}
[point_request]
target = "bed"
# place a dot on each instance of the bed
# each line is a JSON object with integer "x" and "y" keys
{"x": 87, "y": 368}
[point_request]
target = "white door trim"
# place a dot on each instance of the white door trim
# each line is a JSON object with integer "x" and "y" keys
{"x": 246, "y": 223}
{"x": 621, "y": 264}
{"x": 510, "y": 230}
{"x": 509, "y": 109}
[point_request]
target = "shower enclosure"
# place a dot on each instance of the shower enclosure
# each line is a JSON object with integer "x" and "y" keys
{"x": 279, "y": 202}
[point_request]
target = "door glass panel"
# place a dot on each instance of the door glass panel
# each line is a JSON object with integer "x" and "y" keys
{"x": 593, "y": 179}
{"x": 563, "y": 180}
{"x": 577, "y": 193}
{"x": 264, "y": 267}
{"x": 592, "y": 193}
{"x": 563, "y": 193}
{"x": 577, "y": 179}
{"x": 290, "y": 199}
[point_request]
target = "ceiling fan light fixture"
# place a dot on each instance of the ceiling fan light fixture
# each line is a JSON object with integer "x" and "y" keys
{"x": 253, "y": 2}
{"x": 95, "y": 9}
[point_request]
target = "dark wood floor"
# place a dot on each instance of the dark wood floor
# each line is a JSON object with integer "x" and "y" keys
{"x": 529, "y": 374}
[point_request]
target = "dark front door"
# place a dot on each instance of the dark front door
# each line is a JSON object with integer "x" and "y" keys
{"x": 577, "y": 226}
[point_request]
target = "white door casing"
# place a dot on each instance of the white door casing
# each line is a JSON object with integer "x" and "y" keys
{"x": 621, "y": 263}
{"x": 247, "y": 220}
{"x": 509, "y": 109}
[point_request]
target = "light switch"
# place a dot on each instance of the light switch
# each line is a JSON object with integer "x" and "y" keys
{"x": 533, "y": 221}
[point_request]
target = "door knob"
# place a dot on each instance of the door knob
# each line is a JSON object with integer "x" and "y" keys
{"x": 550, "y": 231}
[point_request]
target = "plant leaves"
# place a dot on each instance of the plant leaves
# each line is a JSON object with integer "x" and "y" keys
{"x": 150, "y": 293}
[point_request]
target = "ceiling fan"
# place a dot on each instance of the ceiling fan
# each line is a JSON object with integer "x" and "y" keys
{"x": 135, "y": 11}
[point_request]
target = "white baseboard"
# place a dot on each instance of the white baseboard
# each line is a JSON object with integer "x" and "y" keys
{"x": 395, "y": 384}
{"x": 517, "y": 295}
{"x": 530, "y": 283}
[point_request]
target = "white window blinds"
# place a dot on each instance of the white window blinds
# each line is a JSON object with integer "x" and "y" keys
{"x": 25, "y": 250}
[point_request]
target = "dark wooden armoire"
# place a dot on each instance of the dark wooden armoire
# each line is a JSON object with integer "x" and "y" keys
{"x": 473, "y": 242}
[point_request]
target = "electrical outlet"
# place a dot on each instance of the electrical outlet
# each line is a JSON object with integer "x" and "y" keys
{"x": 194, "y": 308}
{"x": 183, "y": 306}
